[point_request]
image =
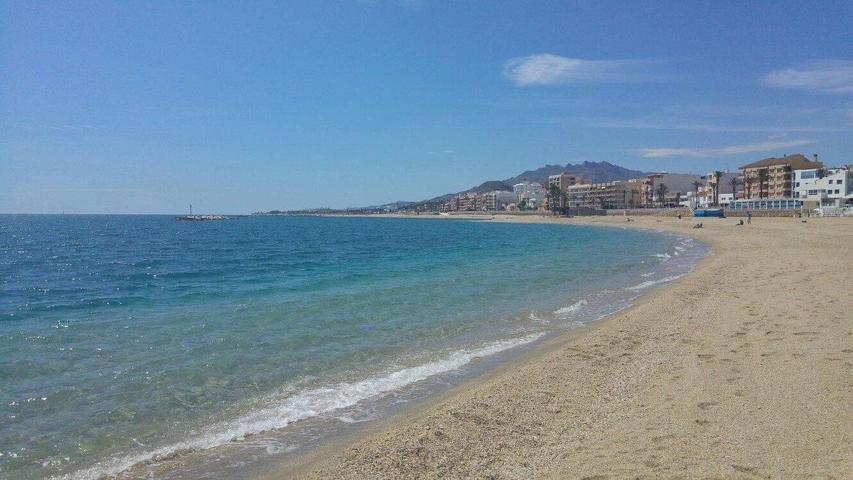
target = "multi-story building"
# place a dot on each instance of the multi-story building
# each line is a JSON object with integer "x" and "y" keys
{"x": 528, "y": 188}
{"x": 773, "y": 177}
{"x": 724, "y": 190}
{"x": 466, "y": 202}
{"x": 607, "y": 195}
{"x": 634, "y": 196}
{"x": 470, "y": 202}
{"x": 577, "y": 196}
{"x": 819, "y": 187}
{"x": 529, "y": 194}
{"x": 498, "y": 200}
{"x": 565, "y": 180}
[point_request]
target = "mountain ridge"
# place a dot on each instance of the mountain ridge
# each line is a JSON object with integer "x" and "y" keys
{"x": 596, "y": 172}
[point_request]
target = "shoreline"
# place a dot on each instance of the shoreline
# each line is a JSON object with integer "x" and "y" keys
{"x": 418, "y": 441}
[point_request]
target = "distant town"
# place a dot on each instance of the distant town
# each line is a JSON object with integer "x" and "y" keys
{"x": 773, "y": 185}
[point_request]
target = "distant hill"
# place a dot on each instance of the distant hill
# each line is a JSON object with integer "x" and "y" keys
{"x": 679, "y": 182}
{"x": 595, "y": 171}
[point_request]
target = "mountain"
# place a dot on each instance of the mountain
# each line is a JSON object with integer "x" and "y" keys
{"x": 679, "y": 182}
{"x": 595, "y": 171}
{"x": 600, "y": 172}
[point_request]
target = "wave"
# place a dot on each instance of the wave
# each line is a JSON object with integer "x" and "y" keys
{"x": 301, "y": 406}
{"x": 663, "y": 256}
{"x": 571, "y": 308}
{"x": 649, "y": 283}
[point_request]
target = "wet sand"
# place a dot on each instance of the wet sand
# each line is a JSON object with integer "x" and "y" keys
{"x": 741, "y": 369}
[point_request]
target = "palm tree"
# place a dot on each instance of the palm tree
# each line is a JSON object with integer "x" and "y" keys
{"x": 677, "y": 199}
{"x": 661, "y": 193}
{"x": 696, "y": 185}
{"x": 717, "y": 176}
{"x": 748, "y": 180}
{"x": 734, "y": 182}
{"x": 821, "y": 172}
{"x": 553, "y": 198}
{"x": 763, "y": 178}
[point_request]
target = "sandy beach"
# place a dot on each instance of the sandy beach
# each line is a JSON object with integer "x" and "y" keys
{"x": 741, "y": 369}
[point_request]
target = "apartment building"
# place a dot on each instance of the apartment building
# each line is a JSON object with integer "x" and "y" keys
{"x": 724, "y": 190}
{"x": 565, "y": 180}
{"x": 608, "y": 195}
{"x": 773, "y": 177}
{"x": 528, "y": 188}
{"x": 498, "y": 200}
{"x": 819, "y": 187}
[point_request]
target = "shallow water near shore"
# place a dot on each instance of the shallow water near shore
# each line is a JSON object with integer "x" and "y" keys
{"x": 140, "y": 345}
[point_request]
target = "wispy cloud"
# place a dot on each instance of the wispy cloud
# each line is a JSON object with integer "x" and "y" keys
{"x": 766, "y": 146}
{"x": 641, "y": 124}
{"x": 549, "y": 69}
{"x": 826, "y": 76}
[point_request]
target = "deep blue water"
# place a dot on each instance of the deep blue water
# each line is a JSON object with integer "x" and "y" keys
{"x": 127, "y": 338}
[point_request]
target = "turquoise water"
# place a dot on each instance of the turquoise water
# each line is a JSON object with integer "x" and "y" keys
{"x": 129, "y": 341}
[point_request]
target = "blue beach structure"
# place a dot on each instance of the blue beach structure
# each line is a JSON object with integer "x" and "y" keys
{"x": 709, "y": 212}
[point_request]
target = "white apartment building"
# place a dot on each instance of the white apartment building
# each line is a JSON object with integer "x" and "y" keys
{"x": 528, "y": 188}
{"x": 834, "y": 189}
{"x": 529, "y": 194}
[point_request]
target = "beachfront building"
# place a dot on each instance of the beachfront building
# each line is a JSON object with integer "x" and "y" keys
{"x": 528, "y": 188}
{"x": 719, "y": 187}
{"x": 767, "y": 204}
{"x": 498, "y": 200}
{"x": 577, "y": 196}
{"x": 565, "y": 180}
{"x": 824, "y": 187}
{"x": 608, "y": 195}
{"x": 470, "y": 202}
{"x": 529, "y": 195}
{"x": 467, "y": 202}
{"x": 562, "y": 182}
{"x": 773, "y": 177}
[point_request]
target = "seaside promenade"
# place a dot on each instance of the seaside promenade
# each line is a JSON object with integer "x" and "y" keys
{"x": 741, "y": 369}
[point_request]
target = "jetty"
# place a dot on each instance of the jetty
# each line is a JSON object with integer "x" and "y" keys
{"x": 200, "y": 218}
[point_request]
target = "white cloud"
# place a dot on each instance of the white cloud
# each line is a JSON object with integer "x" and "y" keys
{"x": 826, "y": 76}
{"x": 721, "y": 151}
{"x": 548, "y": 69}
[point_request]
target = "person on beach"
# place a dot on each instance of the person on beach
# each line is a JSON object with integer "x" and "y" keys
{"x": 748, "y": 217}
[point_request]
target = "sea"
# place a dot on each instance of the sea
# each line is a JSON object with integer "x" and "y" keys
{"x": 139, "y": 346}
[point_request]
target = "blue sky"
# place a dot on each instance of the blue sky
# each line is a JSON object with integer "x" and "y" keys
{"x": 145, "y": 107}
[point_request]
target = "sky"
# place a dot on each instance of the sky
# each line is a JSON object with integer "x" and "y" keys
{"x": 237, "y": 107}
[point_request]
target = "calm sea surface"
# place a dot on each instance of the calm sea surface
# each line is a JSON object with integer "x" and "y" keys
{"x": 144, "y": 343}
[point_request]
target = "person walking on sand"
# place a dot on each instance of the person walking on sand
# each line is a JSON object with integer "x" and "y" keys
{"x": 748, "y": 217}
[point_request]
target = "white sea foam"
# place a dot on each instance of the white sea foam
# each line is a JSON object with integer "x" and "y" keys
{"x": 571, "y": 308}
{"x": 649, "y": 283}
{"x": 536, "y": 319}
{"x": 307, "y": 404}
{"x": 663, "y": 256}
{"x": 647, "y": 275}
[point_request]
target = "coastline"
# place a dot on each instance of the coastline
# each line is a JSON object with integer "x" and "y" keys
{"x": 637, "y": 393}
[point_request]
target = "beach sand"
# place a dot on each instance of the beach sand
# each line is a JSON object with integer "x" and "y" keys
{"x": 741, "y": 369}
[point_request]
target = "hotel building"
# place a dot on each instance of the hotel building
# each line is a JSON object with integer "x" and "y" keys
{"x": 780, "y": 175}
